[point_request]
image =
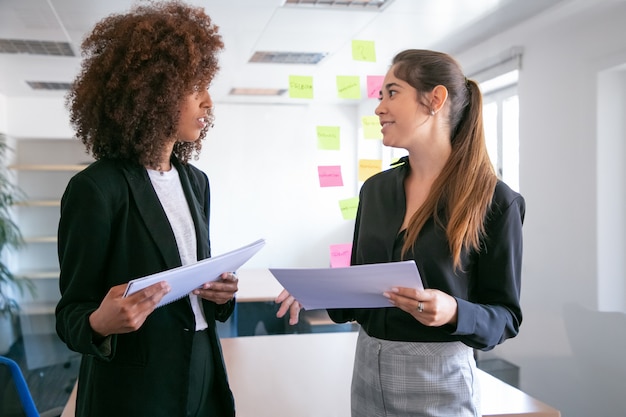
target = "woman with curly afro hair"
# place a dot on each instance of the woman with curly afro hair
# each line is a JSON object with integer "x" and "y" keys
{"x": 141, "y": 106}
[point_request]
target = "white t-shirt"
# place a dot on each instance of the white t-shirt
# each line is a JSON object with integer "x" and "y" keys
{"x": 170, "y": 192}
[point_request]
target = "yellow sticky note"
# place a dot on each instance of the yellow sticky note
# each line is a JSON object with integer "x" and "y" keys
{"x": 369, "y": 167}
{"x": 328, "y": 138}
{"x": 363, "y": 51}
{"x": 349, "y": 207}
{"x": 348, "y": 86}
{"x": 371, "y": 127}
{"x": 300, "y": 86}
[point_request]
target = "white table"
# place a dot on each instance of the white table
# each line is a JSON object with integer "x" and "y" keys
{"x": 309, "y": 375}
{"x": 257, "y": 285}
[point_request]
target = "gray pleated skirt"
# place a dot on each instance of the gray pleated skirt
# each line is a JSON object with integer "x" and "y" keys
{"x": 393, "y": 379}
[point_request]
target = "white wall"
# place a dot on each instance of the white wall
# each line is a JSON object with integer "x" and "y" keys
{"x": 563, "y": 54}
{"x": 38, "y": 118}
{"x": 262, "y": 163}
{"x": 3, "y": 114}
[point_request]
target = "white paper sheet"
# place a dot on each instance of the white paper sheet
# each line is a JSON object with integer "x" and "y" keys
{"x": 360, "y": 286}
{"x": 185, "y": 279}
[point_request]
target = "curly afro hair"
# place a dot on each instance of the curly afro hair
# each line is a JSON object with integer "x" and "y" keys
{"x": 136, "y": 70}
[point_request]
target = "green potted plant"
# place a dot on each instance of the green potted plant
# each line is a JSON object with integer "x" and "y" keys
{"x": 10, "y": 239}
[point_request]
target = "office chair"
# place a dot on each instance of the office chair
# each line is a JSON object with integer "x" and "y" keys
{"x": 15, "y": 397}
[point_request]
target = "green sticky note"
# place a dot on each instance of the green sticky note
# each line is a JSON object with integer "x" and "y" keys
{"x": 348, "y": 86}
{"x": 363, "y": 51}
{"x": 300, "y": 86}
{"x": 371, "y": 127}
{"x": 328, "y": 138}
{"x": 349, "y": 207}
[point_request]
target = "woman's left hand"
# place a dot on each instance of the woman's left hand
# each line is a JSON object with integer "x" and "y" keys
{"x": 220, "y": 291}
{"x": 429, "y": 307}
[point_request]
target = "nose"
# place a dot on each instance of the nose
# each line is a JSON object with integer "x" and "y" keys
{"x": 379, "y": 109}
{"x": 206, "y": 102}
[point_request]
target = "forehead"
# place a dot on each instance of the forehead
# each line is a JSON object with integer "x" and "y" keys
{"x": 391, "y": 79}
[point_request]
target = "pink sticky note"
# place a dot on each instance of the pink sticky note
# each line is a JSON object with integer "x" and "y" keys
{"x": 374, "y": 85}
{"x": 340, "y": 255}
{"x": 330, "y": 176}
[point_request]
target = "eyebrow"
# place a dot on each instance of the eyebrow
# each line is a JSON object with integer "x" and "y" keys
{"x": 387, "y": 87}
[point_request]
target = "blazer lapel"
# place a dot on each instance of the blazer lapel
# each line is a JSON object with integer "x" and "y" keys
{"x": 152, "y": 213}
{"x": 195, "y": 207}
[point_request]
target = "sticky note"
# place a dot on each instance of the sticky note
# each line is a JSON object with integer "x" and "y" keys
{"x": 349, "y": 207}
{"x": 300, "y": 86}
{"x": 371, "y": 127}
{"x": 330, "y": 176}
{"x": 328, "y": 138}
{"x": 363, "y": 51}
{"x": 348, "y": 86}
{"x": 340, "y": 255}
{"x": 369, "y": 167}
{"x": 374, "y": 85}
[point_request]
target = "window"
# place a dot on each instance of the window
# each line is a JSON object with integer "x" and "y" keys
{"x": 501, "y": 121}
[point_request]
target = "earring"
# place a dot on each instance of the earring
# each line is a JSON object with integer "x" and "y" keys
{"x": 432, "y": 112}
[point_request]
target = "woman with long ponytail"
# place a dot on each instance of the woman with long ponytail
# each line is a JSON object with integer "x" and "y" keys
{"x": 442, "y": 206}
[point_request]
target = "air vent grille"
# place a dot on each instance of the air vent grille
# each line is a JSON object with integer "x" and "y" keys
{"x": 21, "y": 46}
{"x": 48, "y": 85}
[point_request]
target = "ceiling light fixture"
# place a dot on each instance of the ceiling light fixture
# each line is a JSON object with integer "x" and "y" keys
{"x": 242, "y": 91}
{"x": 344, "y": 4}
{"x": 267, "y": 57}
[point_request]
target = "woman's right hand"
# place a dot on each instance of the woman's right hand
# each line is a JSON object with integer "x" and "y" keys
{"x": 118, "y": 314}
{"x": 288, "y": 303}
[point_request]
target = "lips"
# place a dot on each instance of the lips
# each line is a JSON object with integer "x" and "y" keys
{"x": 203, "y": 121}
{"x": 384, "y": 125}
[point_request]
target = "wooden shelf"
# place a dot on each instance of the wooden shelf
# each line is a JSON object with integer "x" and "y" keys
{"x": 40, "y": 239}
{"x": 38, "y": 203}
{"x": 48, "y": 167}
{"x": 37, "y": 274}
{"x": 37, "y": 308}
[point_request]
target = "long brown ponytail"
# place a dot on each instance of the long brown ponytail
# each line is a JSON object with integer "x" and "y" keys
{"x": 466, "y": 184}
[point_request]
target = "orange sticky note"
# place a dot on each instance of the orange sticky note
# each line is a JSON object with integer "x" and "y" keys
{"x": 369, "y": 167}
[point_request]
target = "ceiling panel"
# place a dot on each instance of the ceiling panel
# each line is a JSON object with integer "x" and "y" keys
{"x": 252, "y": 25}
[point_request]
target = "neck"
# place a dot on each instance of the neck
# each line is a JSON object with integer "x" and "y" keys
{"x": 162, "y": 166}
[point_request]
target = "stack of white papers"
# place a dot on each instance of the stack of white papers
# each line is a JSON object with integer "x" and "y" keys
{"x": 360, "y": 286}
{"x": 185, "y": 279}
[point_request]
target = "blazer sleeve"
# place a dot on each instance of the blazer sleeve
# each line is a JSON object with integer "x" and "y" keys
{"x": 83, "y": 236}
{"x": 494, "y": 313}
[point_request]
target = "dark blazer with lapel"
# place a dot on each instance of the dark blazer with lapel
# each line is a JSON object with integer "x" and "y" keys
{"x": 114, "y": 229}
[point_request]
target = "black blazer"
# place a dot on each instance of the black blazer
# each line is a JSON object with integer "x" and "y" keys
{"x": 113, "y": 229}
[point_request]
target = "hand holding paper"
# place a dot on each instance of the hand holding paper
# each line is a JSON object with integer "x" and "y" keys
{"x": 360, "y": 286}
{"x": 185, "y": 279}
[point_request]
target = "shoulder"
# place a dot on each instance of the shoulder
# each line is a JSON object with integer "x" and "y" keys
{"x": 109, "y": 177}
{"x": 197, "y": 177}
{"x": 195, "y": 172}
{"x": 506, "y": 200}
{"x": 388, "y": 178}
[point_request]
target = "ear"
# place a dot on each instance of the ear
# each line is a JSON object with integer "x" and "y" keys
{"x": 438, "y": 98}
